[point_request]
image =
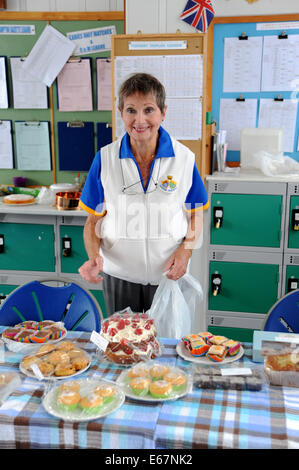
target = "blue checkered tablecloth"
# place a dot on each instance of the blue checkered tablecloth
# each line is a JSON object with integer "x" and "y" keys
{"x": 202, "y": 419}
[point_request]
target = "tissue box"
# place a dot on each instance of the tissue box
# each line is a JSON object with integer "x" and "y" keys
{"x": 273, "y": 340}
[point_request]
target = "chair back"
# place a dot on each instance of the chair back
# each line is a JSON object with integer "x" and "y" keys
{"x": 284, "y": 315}
{"x": 70, "y": 303}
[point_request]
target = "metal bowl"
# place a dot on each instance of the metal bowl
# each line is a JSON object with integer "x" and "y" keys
{"x": 68, "y": 200}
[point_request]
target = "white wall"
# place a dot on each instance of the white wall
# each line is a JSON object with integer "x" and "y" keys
{"x": 163, "y": 16}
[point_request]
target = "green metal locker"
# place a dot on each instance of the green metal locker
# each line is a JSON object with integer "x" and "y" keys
{"x": 293, "y": 223}
{"x": 27, "y": 247}
{"x": 72, "y": 250}
{"x": 246, "y": 219}
{"x": 244, "y": 287}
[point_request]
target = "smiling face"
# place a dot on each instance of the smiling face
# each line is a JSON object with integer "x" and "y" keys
{"x": 142, "y": 118}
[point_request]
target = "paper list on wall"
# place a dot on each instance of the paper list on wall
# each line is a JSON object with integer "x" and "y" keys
{"x": 280, "y": 115}
{"x": 182, "y": 77}
{"x": 242, "y": 64}
{"x": 104, "y": 84}
{"x": 235, "y": 116}
{"x": 183, "y": 118}
{"x": 27, "y": 92}
{"x": 3, "y": 84}
{"x": 33, "y": 145}
{"x": 74, "y": 86}
{"x": 280, "y": 70}
{"x": 6, "y": 151}
{"x": 48, "y": 55}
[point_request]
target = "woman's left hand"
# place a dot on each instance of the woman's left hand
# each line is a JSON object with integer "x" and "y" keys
{"x": 178, "y": 262}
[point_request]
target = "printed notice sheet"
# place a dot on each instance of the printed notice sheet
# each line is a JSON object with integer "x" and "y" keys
{"x": 182, "y": 77}
{"x": 242, "y": 64}
{"x": 27, "y": 91}
{"x": 6, "y": 152}
{"x": 3, "y": 84}
{"x": 280, "y": 70}
{"x": 104, "y": 85}
{"x": 74, "y": 86}
{"x": 33, "y": 145}
{"x": 280, "y": 115}
{"x": 235, "y": 116}
{"x": 49, "y": 54}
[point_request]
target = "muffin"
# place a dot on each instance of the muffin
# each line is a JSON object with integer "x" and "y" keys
{"x": 158, "y": 371}
{"x": 107, "y": 392}
{"x": 68, "y": 400}
{"x": 138, "y": 371}
{"x": 160, "y": 389}
{"x": 176, "y": 379}
{"x": 92, "y": 403}
{"x": 140, "y": 385}
{"x": 71, "y": 385}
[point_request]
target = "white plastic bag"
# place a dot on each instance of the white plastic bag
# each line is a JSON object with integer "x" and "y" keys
{"x": 276, "y": 165}
{"x": 175, "y": 306}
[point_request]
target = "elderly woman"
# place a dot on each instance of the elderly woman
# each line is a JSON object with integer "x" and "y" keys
{"x": 145, "y": 198}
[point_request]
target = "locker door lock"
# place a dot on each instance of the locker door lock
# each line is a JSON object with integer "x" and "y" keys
{"x": 216, "y": 284}
{"x": 67, "y": 246}
{"x": 292, "y": 284}
{"x": 217, "y": 216}
{"x": 1, "y": 243}
{"x": 295, "y": 219}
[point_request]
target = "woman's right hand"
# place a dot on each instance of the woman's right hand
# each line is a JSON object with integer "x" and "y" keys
{"x": 90, "y": 270}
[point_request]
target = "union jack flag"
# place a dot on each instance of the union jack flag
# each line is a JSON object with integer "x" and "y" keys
{"x": 198, "y": 13}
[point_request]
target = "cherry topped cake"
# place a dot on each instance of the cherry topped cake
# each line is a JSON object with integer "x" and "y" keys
{"x": 131, "y": 337}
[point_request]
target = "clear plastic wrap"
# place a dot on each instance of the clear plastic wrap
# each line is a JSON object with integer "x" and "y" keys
{"x": 27, "y": 337}
{"x": 83, "y": 399}
{"x": 230, "y": 377}
{"x": 59, "y": 361}
{"x": 281, "y": 364}
{"x": 129, "y": 338}
{"x": 155, "y": 381}
{"x": 9, "y": 381}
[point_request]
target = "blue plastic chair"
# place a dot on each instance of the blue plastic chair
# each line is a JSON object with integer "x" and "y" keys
{"x": 284, "y": 315}
{"x": 70, "y": 303}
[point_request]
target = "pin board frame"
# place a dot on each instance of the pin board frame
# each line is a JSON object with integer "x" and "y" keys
{"x": 196, "y": 44}
{"x": 234, "y": 27}
{"x": 21, "y": 46}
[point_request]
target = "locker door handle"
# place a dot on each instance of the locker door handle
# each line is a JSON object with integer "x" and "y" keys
{"x": 216, "y": 284}
{"x": 295, "y": 219}
{"x": 67, "y": 247}
{"x": 217, "y": 216}
{"x": 1, "y": 243}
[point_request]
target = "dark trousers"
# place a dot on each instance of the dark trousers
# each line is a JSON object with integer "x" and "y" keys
{"x": 120, "y": 294}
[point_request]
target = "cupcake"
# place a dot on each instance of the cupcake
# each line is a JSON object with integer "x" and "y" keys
{"x": 138, "y": 371}
{"x": 71, "y": 385}
{"x": 176, "y": 379}
{"x": 92, "y": 403}
{"x": 140, "y": 385}
{"x": 160, "y": 389}
{"x": 158, "y": 371}
{"x": 68, "y": 400}
{"x": 107, "y": 392}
